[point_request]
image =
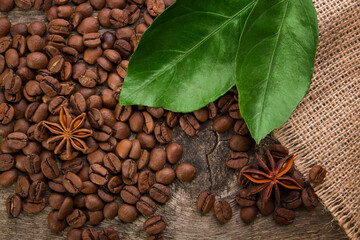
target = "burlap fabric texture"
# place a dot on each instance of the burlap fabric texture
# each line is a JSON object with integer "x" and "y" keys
{"x": 325, "y": 128}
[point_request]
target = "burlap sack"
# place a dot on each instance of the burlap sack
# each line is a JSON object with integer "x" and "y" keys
{"x": 325, "y": 128}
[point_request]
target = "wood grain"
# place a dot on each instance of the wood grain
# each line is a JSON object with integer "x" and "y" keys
{"x": 207, "y": 152}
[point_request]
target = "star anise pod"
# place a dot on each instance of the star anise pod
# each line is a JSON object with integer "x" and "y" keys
{"x": 271, "y": 176}
{"x": 69, "y": 132}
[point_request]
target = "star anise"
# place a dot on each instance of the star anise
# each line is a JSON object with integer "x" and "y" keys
{"x": 271, "y": 176}
{"x": 68, "y": 133}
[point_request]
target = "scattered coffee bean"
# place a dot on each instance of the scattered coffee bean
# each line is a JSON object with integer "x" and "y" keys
{"x": 205, "y": 202}
{"x": 223, "y": 211}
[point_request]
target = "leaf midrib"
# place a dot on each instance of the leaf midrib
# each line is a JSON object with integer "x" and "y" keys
{"x": 159, "y": 73}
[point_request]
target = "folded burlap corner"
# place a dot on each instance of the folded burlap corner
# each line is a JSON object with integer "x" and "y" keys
{"x": 325, "y": 127}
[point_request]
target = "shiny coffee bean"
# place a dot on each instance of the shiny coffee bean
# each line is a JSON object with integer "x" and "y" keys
{"x": 13, "y": 205}
{"x": 146, "y": 206}
{"x": 317, "y": 174}
{"x": 189, "y": 125}
{"x": 130, "y": 194}
{"x": 223, "y": 211}
{"x": 237, "y": 160}
{"x": 248, "y": 214}
{"x": 127, "y": 213}
{"x": 159, "y": 193}
{"x": 155, "y": 225}
{"x": 284, "y": 216}
{"x": 309, "y": 198}
{"x": 185, "y": 172}
{"x": 205, "y": 202}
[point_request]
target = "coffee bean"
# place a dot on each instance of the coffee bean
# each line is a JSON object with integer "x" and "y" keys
{"x": 12, "y": 58}
{"x": 32, "y": 164}
{"x": 95, "y": 217}
{"x": 189, "y": 125}
{"x": 37, "y": 190}
{"x": 174, "y": 152}
{"x": 162, "y": 133}
{"x": 309, "y": 198}
{"x": 98, "y": 174}
{"x": 284, "y": 216}
{"x": 119, "y": 18}
{"x": 185, "y": 172}
{"x": 7, "y": 161}
{"x": 147, "y": 18}
{"x": 32, "y": 206}
{"x": 13, "y": 205}
{"x": 75, "y": 234}
{"x": 6, "y": 5}
{"x": 265, "y": 207}
{"x": 244, "y": 198}
{"x": 159, "y": 193}
{"x": 205, "y": 202}
{"x": 223, "y": 123}
{"x": 105, "y": 194}
{"x": 112, "y": 163}
{"x": 7, "y": 113}
{"x": 93, "y": 202}
{"x": 22, "y": 186}
{"x": 240, "y": 127}
{"x": 66, "y": 208}
{"x": 225, "y": 102}
{"x": 202, "y": 115}
{"x": 89, "y": 187}
{"x": 110, "y": 210}
{"x": 37, "y": 28}
{"x": 145, "y": 181}
{"x": 147, "y": 141}
{"x": 278, "y": 151}
{"x": 155, "y": 7}
{"x": 143, "y": 161}
{"x": 292, "y": 200}
{"x": 223, "y": 211}
{"x": 248, "y": 214}
{"x": 136, "y": 122}
{"x": 89, "y": 234}
{"x": 76, "y": 219}
{"x": 127, "y": 213}
{"x": 317, "y": 174}
{"x": 36, "y": 112}
{"x": 54, "y": 223}
{"x": 130, "y": 194}
{"x": 79, "y": 201}
{"x": 72, "y": 183}
{"x": 172, "y": 119}
{"x": 299, "y": 178}
{"x": 56, "y": 200}
{"x": 237, "y": 160}
{"x": 36, "y": 60}
{"x": 155, "y": 224}
{"x": 165, "y": 176}
{"x": 146, "y": 206}
{"x": 24, "y": 4}
{"x": 240, "y": 143}
{"x": 74, "y": 166}
{"x": 108, "y": 234}
{"x": 157, "y": 159}
{"x": 115, "y": 184}
{"x": 4, "y": 26}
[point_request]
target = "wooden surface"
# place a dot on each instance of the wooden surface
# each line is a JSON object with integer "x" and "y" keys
{"x": 207, "y": 152}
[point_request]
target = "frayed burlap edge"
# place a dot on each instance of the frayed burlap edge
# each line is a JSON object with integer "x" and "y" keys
{"x": 325, "y": 128}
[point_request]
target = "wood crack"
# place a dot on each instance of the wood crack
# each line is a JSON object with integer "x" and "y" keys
{"x": 208, "y": 163}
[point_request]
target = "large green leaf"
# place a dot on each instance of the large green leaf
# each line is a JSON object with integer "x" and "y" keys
{"x": 275, "y": 62}
{"x": 186, "y": 58}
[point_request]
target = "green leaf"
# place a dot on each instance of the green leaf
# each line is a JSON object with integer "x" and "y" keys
{"x": 186, "y": 58}
{"x": 275, "y": 62}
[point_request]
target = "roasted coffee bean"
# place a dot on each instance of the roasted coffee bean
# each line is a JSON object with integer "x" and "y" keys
{"x": 146, "y": 206}
{"x": 174, "y": 152}
{"x": 95, "y": 217}
{"x": 223, "y": 211}
{"x": 244, "y": 198}
{"x": 85, "y": 9}
{"x": 134, "y": 13}
{"x": 74, "y": 166}
{"x": 162, "y": 133}
{"x": 145, "y": 181}
{"x": 157, "y": 159}
{"x": 5, "y": 43}
{"x": 76, "y": 42}
{"x": 32, "y": 164}
{"x": 309, "y": 198}
{"x": 103, "y": 133}
{"x": 155, "y": 112}
{"x": 78, "y": 104}
{"x": 284, "y": 216}
{"x": 189, "y": 125}
{"x": 95, "y": 118}
{"x": 34, "y": 43}
{"x": 299, "y": 178}
{"x": 121, "y": 131}
{"x": 159, "y": 193}
{"x": 49, "y": 168}
{"x": 7, "y": 161}
{"x": 13, "y": 85}
{"x": 24, "y": 4}
{"x": 6, "y": 5}
{"x": 147, "y": 141}
{"x": 130, "y": 194}
{"x": 76, "y": 219}
{"x": 129, "y": 168}
{"x": 32, "y": 91}
{"x": 119, "y": 18}
{"x": 112, "y": 163}
{"x": 147, "y": 18}
{"x": 98, "y": 174}
{"x": 108, "y": 234}
{"x": 32, "y": 206}
{"x": 89, "y": 234}
{"x": 56, "y": 64}
{"x": 123, "y": 47}
{"x": 56, "y": 200}
{"x": 265, "y": 207}
{"x": 205, "y": 202}
{"x": 96, "y": 157}
{"x": 42, "y": 5}
{"x": 136, "y": 122}
{"x": 278, "y": 151}
{"x": 143, "y": 161}
{"x": 13, "y": 205}
{"x": 92, "y": 54}
{"x": 237, "y": 160}
{"x": 37, "y": 190}
{"x": 22, "y": 186}
{"x": 54, "y": 223}
{"x": 225, "y": 102}
{"x": 291, "y": 200}
{"x": 36, "y": 60}
{"x": 50, "y": 86}
{"x": 88, "y": 79}
{"x": 88, "y": 25}
{"x": 115, "y": 184}
{"x": 108, "y": 99}
{"x": 172, "y": 119}
{"x": 123, "y": 148}
{"x": 36, "y": 112}
{"x": 317, "y": 174}
{"x": 89, "y": 187}
{"x": 93, "y": 202}
{"x": 155, "y": 7}
{"x": 75, "y": 234}
{"x": 240, "y": 127}
{"x": 66, "y": 208}
{"x": 202, "y": 115}
{"x": 127, "y": 213}
{"x": 185, "y": 172}
{"x": 37, "y": 28}
{"x": 94, "y": 101}
{"x": 4, "y": 26}
{"x": 248, "y": 214}
{"x": 155, "y": 225}
{"x": 111, "y": 210}
{"x": 213, "y": 110}
{"x": 165, "y": 176}
{"x": 240, "y": 143}
{"x": 223, "y": 123}
{"x": 56, "y": 103}
{"x": 12, "y": 58}
{"x": 79, "y": 201}
{"x": 7, "y": 113}
{"x": 92, "y": 39}
{"x": 70, "y": 54}
{"x": 105, "y": 194}
{"x": 72, "y": 183}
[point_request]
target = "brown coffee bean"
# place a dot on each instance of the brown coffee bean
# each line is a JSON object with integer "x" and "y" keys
{"x": 24, "y": 4}
{"x": 146, "y": 206}
{"x": 143, "y": 161}
{"x": 157, "y": 159}
{"x": 37, "y": 28}
{"x": 79, "y": 201}
{"x": 13, "y": 85}
{"x": 223, "y": 211}
{"x": 7, "y": 161}
{"x": 95, "y": 217}
{"x": 50, "y": 86}
{"x": 145, "y": 181}
{"x": 108, "y": 234}
{"x": 76, "y": 219}
{"x": 130, "y": 194}
{"x": 5, "y": 43}
{"x": 240, "y": 143}
{"x": 129, "y": 168}
{"x": 56, "y": 64}
{"x": 155, "y": 225}
{"x": 93, "y": 202}
{"x": 134, "y": 13}
{"x": 66, "y": 208}
{"x": 291, "y": 200}
{"x": 119, "y": 18}
{"x": 74, "y": 234}
{"x": 85, "y": 9}
{"x": 225, "y": 102}
{"x": 112, "y": 163}
{"x": 185, "y": 172}
{"x": 72, "y": 183}
{"x": 127, "y": 213}
{"x": 89, "y": 187}
{"x": 265, "y": 207}
{"x": 189, "y": 125}
{"x": 55, "y": 200}
{"x": 244, "y": 198}
{"x": 12, "y": 58}
{"x": 115, "y": 184}
{"x": 121, "y": 130}
{"x": 17, "y": 140}
{"x": 317, "y": 174}
{"x": 248, "y": 214}
{"x": 98, "y": 174}
{"x": 88, "y": 25}
{"x": 136, "y": 122}
{"x": 162, "y": 133}
{"x": 37, "y": 190}
{"x": 131, "y": 181}
{"x": 147, "y": 141}
{"x": 111, "y": 210}
{"x": 240, "y": 127}
{"x": 4, "y": 26}
{"x": 278, "y": 151}
{"x": 43, "y": 5}
{"x": 7, "y": 113}
{"x": 22, "y": 186}
{"x": 165, "y": 176}
{"x": 205, "y": 202}
{"x": 54, "y": 223}
{"x": 147, "y": 18}
{"x": 237, "y": 160}
{"x": 36, "y": 60}
{"x": 299, "y": 178}
{"x": 223, "y": 123}
{"x": 155, "y": 7}
{"x": 13, "y": 205}
{"x": 309, "y": 198}
{"x": 159, "y": 193}
{"x": 284, "y": 216}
